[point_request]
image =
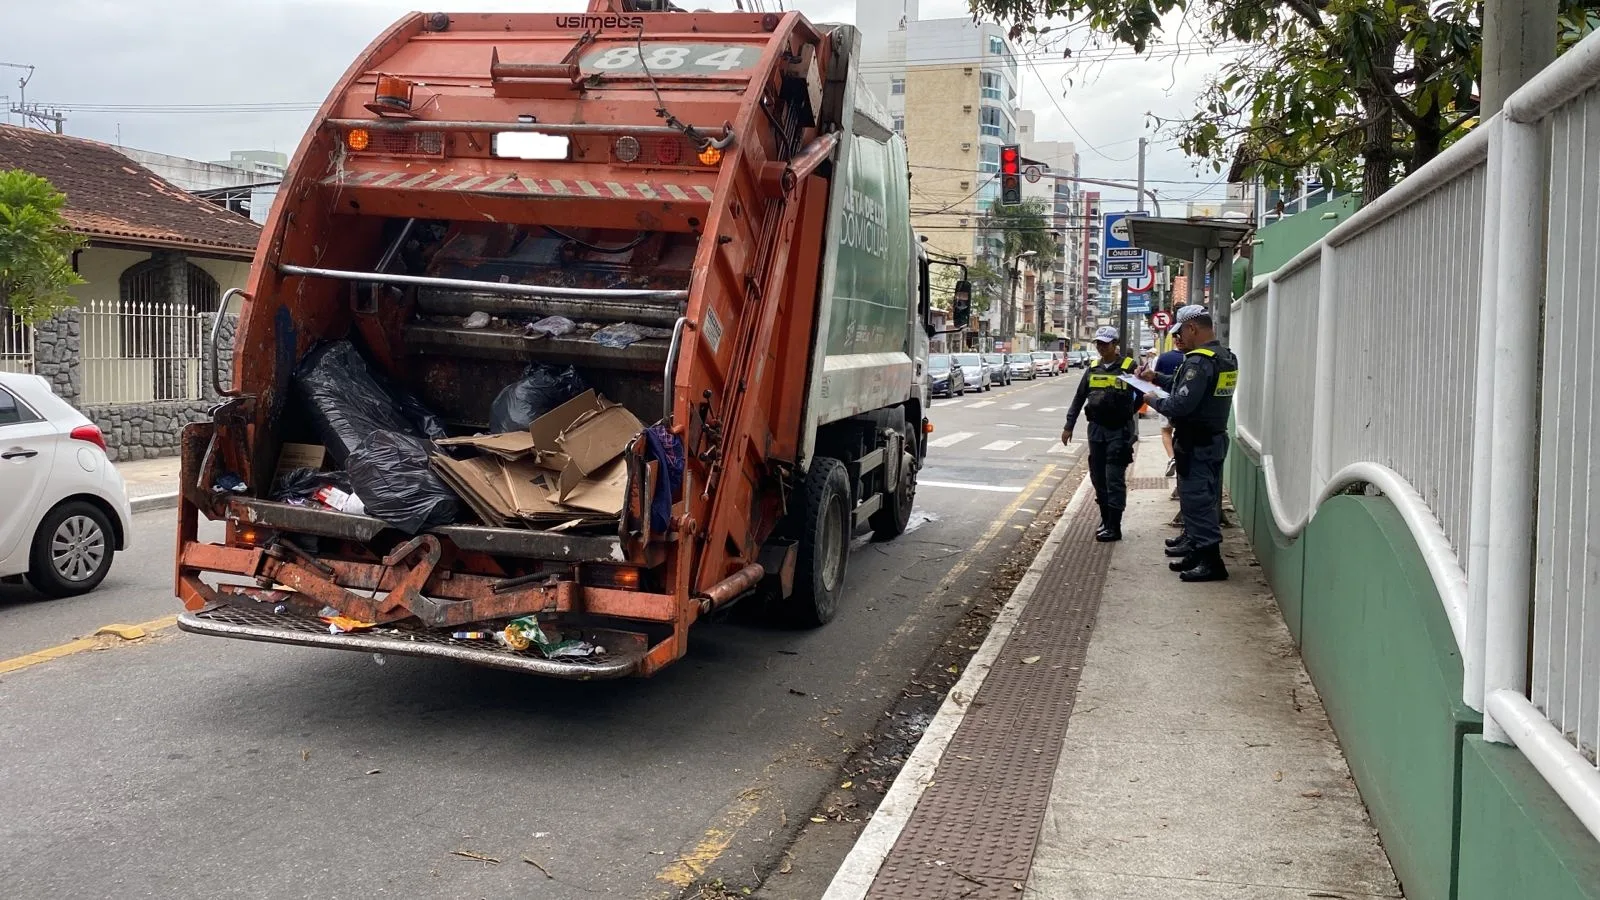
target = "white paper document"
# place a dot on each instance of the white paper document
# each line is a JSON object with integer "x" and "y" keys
{"x": 1144, "y": 387}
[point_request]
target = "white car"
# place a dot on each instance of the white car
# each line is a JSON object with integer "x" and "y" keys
{"x": 66, "y": 512}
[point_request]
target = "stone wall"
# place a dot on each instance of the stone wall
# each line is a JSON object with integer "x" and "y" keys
{"x": 132, "y": 430}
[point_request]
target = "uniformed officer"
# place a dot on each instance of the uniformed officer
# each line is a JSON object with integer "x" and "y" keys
{"x": 1201, "y": 398}
{"x": 1111, "y": 404}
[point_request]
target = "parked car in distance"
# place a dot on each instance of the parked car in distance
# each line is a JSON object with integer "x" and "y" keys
{"x": 66, "y": 511}
{"x": 975, "y": 370}
{"x": 999, "y": 372}
{"x": 945, "y": 378}
{"x": 1061, "y": 361}
{"x": 1079, "y": 359}
{"x": 1044, "y": 362}
{"x": 1021, "y": 366}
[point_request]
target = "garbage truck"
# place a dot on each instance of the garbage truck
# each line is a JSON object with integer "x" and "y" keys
{"x": 694, "y": 227}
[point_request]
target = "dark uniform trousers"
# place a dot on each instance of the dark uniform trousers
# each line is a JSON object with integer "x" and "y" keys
{"x": 1109, "y": 458}
{"x": 1200, "y": 460}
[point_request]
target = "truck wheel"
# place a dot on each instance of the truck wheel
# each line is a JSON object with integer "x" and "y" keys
{"x": 823, "y": 526}
{"x": 890, "y": 522}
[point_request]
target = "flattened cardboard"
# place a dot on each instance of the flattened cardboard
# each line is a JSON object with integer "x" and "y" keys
{"x": 546, "y": 429}
{"x": 301, "y": 456}
{"x": 604, "y": 493}
{"x": 596, "y": 439}
{"x": 512, "y": 446}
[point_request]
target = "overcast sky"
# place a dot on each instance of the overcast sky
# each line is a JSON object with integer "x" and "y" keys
{"x": 231, "y": 52}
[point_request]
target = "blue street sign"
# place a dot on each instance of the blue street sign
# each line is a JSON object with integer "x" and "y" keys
{"x": 1118, "y": 258}
{"x": 1139, "y": 304}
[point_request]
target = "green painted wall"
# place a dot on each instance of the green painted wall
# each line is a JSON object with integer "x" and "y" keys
{"x": 1517, "y": 838}
{"x": 1357, "y": 596}
{"x": 1283, "y": 240}
{"x": 1378, "y": 645}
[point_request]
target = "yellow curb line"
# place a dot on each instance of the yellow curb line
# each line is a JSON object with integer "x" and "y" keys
{"x": 126, "y": 632}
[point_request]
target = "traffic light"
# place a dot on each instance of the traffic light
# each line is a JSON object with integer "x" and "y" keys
{"x": 1010, "y": 175}
{"x": 963, "y": 304}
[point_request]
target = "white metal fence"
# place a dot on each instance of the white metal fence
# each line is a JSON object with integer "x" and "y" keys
{"x": 16, "y": 343}
{"x": 1405, "y": 351}
{"x": 139, "y": 352}
{"x": 1566, "y": 626}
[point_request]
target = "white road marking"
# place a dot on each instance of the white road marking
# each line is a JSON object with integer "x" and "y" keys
{"x": 967, "y": 486}
{"x": 1017, "y": 406}
{"x": 1059, "y": 450}
{"x": 982, "y": 403}
{"x": 1001, "y": 445}
{"x": 1050, "y": 409}
{"x": 950, "y": 440}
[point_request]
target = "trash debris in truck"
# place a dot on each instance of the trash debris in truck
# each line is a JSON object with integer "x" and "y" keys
{"x": 479, "y": 319}
{"x": 347, "y": 401}
{"x": 618, "y": 336}
{"x": 298, "y": 486}
{"x": 541, "y": 389}
{"x": 391, "y": 473}
{"x": 552, "y": 326}
{"x": 294, "y": 456}
{"x": 525, "y": 633}
{"x": 564, "y": 472}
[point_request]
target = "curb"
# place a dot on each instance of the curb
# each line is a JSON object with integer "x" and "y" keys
{"x": 860, "y": 867}
{"x": 150, "y": 502}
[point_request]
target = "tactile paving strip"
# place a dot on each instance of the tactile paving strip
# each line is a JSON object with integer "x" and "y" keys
{"x": 1148, "y": 484}
{"x": 973, "y": 832}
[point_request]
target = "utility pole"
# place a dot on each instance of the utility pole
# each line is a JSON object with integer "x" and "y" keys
{"x": 1519, "y": 39}
{"x": 1122, "y": 307}
{"x": 44, "y": 118}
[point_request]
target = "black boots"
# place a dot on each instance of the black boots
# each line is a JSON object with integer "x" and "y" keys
{"x": 1207, "y": 566}
{"x": 1179, "y": 548}
{"x": 1110, "y": 527}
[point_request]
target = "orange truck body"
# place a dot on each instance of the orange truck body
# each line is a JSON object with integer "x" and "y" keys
{"x": 734, "y": 160}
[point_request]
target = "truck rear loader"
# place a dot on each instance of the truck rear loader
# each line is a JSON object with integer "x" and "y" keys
{"x": 718, "y": 180}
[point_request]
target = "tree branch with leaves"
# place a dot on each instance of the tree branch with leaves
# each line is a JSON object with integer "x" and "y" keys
{"x": 36, "y": 247}
{"x": 1364, "y": 90}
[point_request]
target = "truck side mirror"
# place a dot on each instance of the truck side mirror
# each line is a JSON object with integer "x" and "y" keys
{"x": 963, "y": 304}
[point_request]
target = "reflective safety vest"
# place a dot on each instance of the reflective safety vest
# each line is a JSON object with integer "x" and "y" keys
{"x": 1103, "y": 377}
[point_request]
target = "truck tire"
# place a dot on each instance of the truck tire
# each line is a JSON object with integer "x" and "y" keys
{"x": 823, "y": 526}
{"x": 890, "y": 522}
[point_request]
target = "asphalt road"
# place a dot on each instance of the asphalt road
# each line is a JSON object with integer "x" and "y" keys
{"x": 185, "y": 766}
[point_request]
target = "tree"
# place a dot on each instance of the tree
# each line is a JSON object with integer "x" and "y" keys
{"x": 1363, "y": 90}
{"x": 1027, "y": 226}
{"x": 36, "y": 247}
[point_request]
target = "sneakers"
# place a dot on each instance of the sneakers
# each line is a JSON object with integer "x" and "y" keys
{"x": 1172, "y": 467}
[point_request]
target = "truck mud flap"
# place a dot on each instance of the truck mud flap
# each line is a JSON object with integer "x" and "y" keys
{"x": 624, "y": 650}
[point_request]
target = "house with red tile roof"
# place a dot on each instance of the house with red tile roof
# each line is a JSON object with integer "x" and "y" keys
{"x": 156, "y": 266}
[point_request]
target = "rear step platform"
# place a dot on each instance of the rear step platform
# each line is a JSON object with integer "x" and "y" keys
{"x": 247, "y": 620}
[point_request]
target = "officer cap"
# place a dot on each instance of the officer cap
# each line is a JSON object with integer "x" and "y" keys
{"x": 1106, "y": 335}
{"x": 1187, "y": 314}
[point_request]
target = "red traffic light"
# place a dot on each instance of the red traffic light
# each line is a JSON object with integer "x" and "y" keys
{"x": 1010, "y": 159}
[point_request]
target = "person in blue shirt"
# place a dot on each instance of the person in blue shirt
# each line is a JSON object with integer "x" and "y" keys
{"x": 1167, "y": 366}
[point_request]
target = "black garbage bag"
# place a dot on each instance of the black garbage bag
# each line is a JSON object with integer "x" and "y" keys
{"x": 302, "y": 484}
{"x": 541, "y": 389}
{"x": 389, "y": 471}
{"x": 348, "y": 401}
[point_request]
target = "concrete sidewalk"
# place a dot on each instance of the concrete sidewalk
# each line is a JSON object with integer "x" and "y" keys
{"x": 152, "y": 483}
{"x": 1197, "y": 761}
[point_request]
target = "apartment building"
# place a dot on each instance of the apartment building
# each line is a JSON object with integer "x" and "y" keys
{"x": 952, "y": 87}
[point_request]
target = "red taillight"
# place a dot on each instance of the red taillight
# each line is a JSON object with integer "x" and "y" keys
{"x": 669, "y": 152}
{"x": 90, "y": 433}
